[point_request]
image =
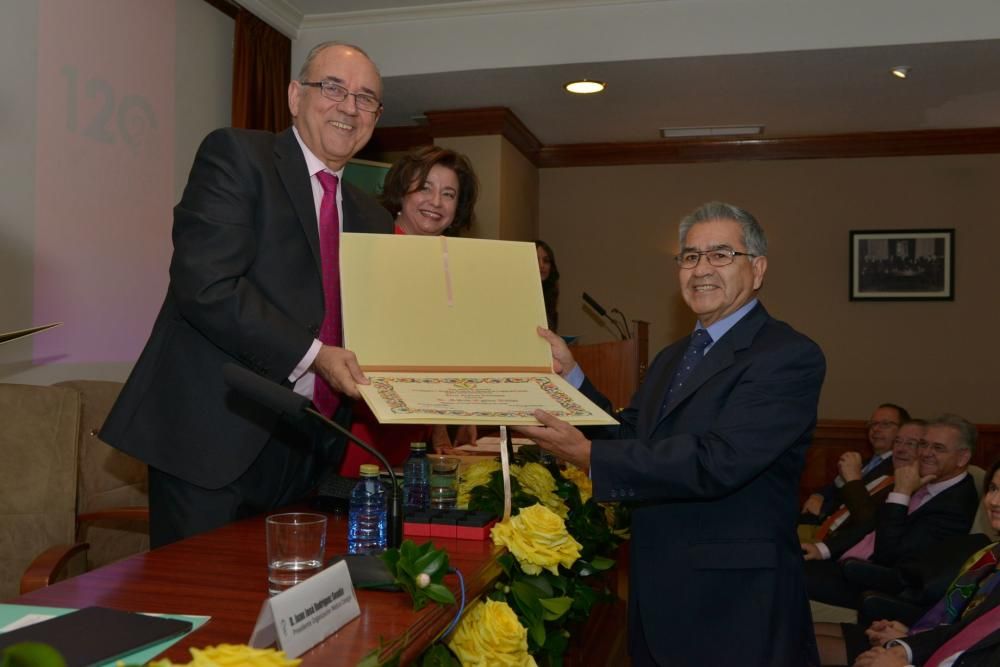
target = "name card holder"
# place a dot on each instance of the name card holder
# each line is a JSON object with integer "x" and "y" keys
{"x": 307, "y": 613}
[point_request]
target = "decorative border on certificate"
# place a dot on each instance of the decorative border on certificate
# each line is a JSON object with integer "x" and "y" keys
{"x": 567, "y": 406}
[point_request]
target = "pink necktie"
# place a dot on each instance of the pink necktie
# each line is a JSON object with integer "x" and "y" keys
{"x": 324, "y": 397}
{"x": 968, "y": 637}
{"x": 866, "y": 547}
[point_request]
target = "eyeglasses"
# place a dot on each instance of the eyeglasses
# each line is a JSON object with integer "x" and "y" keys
{"x": 717, "y": 257}
{"x": 885, "y": 423}
{"x": 910, "y": 442}
{"x": 937, "y": 447}
{"x": 337, "y": 93}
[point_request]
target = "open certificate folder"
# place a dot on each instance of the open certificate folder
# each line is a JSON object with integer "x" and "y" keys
{"x": 445, "y": 330}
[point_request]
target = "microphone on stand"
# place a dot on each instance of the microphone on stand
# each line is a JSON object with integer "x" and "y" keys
{"x": 287, "y": 402}
{"x": 621, "y": 316}
{"x": 603, "y": 313}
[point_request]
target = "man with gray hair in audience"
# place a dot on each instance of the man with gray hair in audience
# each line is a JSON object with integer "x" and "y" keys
{"x": 932, "y": 499}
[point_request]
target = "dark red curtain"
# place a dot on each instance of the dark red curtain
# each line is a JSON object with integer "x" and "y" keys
{"x": 262, "y": 60}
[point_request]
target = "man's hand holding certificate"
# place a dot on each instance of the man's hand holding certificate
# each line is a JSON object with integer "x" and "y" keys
{"x": 446, "y": 331}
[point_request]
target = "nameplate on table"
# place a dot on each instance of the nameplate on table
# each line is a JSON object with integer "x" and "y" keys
{"x": 307, "y": 613}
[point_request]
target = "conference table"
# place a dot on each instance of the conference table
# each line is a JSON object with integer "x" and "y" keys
{"x": 223, "y": 574}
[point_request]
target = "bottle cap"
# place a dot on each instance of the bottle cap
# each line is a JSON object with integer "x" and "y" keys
{"x": 418, "y": 445}
{"x": 368, "y": 470}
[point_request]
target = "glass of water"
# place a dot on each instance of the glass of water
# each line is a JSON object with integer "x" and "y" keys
{"x": 296, "y": 543}
{"x": 443, "y": 481}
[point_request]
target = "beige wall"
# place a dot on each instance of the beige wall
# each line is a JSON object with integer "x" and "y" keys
{"x": 508, "y": 187}
{"x": 484, "y": 153}
{"x": 518, "y": 195}
{"x": 613, "y": 230}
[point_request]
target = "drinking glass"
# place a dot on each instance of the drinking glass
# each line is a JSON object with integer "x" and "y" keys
{"x": 296, "y": 542}
{"x": 444, "y": 481}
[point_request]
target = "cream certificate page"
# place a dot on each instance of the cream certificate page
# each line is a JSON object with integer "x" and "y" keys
{"x": 445, "y": 329}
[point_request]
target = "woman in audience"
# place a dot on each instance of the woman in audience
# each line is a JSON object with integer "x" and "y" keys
{"x": 841, "y": 644}
{"x": 550, "y": 282}
{"x": 430, "y": 191}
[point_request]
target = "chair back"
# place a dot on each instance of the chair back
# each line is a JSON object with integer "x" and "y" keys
{"x": 39, "y": 429}
{"x": 108, "y": 478}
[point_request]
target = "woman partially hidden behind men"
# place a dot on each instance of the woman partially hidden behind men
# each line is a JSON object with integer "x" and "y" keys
{"x": 431, "y": 191}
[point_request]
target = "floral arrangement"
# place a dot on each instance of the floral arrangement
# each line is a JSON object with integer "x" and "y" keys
{"x": 558, "y": 540}
{"x": 33, "y": 654}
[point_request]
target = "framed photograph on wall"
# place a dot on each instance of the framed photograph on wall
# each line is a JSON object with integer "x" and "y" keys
{"x": 903, "y": 265}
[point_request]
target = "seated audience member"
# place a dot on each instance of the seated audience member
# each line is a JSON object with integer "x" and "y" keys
{"x": 842, "y": 643}
{"x": 856, "y": 517}
{"x": 930, "y": 501}
{"x": 430, "y": 191}
{"x": 882, "y": 429}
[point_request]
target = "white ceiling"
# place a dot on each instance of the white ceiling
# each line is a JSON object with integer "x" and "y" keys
{"x": 801, "y": 78}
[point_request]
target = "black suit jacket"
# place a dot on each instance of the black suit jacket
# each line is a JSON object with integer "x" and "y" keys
{"x": 245, "y": 287}
{"x": 716, "y": 569}
{"x": 863, "y": 508}
{"x": 985, "y": 653}
{"x": 901, "y": 538}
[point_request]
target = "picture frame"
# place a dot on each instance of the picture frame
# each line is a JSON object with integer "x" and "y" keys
{"x": 902, "y": 265}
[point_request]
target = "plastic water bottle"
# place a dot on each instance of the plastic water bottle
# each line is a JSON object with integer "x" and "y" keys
{"x": 416, "y": 479}
{"x": 368, "y": 515}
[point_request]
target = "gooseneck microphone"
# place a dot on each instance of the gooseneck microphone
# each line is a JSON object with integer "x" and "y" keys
{"x": 287, "y": 402}
{"x": 603, "y": 313}
{"x": 593, "y": 304}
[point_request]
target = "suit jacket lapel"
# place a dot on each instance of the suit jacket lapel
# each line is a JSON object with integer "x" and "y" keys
{"x": 722, "y": 355}
{"x": 294, "y": 175}
{"x": 649, "y": 412}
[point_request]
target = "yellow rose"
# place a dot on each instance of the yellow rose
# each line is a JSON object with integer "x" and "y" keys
{"x": 538, "y": 539}
{"x": 582, "y": 481}
{"x": 473, "y": 476}
{"x": 611, "y": 516}
{"x": 490, "y": 634}
{"x": 231, "y": 654}
{"x": 538, "y": 481}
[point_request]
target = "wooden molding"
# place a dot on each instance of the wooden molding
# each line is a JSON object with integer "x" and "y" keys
{"x": 486, "y": 121}
{"x": 502, "y": 121}
{"x": 866, "y": 144}
{"x": 393, "y": 139}
{"x": 458, "y": 123}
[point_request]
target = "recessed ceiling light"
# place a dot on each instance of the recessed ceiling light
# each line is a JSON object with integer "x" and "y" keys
{"x": 716, "y": 131}
{"x": 901, "y": 71}
{"x": 585, "y": 87}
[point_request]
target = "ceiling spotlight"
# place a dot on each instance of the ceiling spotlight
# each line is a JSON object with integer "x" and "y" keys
{"x": 900, "y": 71}
{"x": 585, "y": 87}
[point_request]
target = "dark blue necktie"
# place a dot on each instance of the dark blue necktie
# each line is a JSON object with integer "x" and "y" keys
{"x": 700, "y": 339}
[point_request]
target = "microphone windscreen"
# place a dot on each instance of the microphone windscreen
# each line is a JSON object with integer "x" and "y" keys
{"x": 593, "y": 304}
{"x": 264, "y": 391}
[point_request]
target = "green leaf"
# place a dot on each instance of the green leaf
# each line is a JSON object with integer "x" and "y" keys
{"x": 440, "y": 593}
{"x": 408, "y": 550}
{"x": 601, "y": 563}
{"x": 431, "y": 563}
{"x": 538, "y": 582}
{"x": 391, "y": 559}
{"x": 537, "y": 632}
{"x": 555, "y": 645}
{"x": 438, "y": 655}
{"x": 31, "y": 654}
{"x": 527, "y": 600}
{"x": 555, "y": 607}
